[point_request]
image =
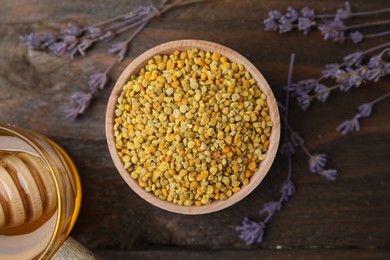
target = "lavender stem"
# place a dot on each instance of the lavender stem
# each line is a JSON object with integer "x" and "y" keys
{"x": 288, "y": 86}
{"x": 289, "y": 167}
{"x": 291, "y": 130}
{"x": 373, "y": 35}
{"x": 137, "y": 31}
{"x": 380, "y": 98}
{"x": 123, "y": 23}
{"x": 367, "y": 24}
{"x": 142, "y": 23}
{"x": 355, "y": 14}
{"x": 164, "y": 9}
{"x": 330, "y": 89}
{"x": 104, "y": 22}
{"x": 180, "y": 3}
{"x": 378, "y": 47}
{"x": 371, "y": 12}
{"x": 109, "y": 67}
{"x": 191, "y": 2}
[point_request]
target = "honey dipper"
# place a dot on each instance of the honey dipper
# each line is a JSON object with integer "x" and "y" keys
{"x": 27, "y": 191}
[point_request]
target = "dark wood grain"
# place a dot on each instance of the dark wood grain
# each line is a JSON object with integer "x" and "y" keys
{"x": 348, "y": 218}
{"x": 310, "y": 254}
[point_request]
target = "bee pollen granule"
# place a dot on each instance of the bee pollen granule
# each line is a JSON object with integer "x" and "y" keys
{"x": 192, "y": 127}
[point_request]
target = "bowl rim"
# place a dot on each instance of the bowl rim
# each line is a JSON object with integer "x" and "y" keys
{"x": 168, "y": 48}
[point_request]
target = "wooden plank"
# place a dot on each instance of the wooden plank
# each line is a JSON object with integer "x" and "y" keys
{"x": 312, "y": 254}
{"x": 352, "y": 212}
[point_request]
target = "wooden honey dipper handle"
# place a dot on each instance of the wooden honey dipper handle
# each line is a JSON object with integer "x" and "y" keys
{"x": 27, "y": 191}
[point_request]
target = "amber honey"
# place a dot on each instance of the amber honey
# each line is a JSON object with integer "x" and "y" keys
{"x": 39, "y": 195}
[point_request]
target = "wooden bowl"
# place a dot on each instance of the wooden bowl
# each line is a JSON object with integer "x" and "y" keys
{"x": 183, "y": 45}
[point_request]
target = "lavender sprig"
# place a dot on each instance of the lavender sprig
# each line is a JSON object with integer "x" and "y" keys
{"x": 335, "y": 30}
{"x": 251, "y": 231}
{"x": 316, "y": 162}
{"x": 332, "y": 26}
{"x": 74, "y": 40}
{"x": 355, "y": 70}
{"x": 79, "y": 103}
{"x": 293, "y": 139}
{"x": 364, "y": 111}
{"x": 97, "y": 81}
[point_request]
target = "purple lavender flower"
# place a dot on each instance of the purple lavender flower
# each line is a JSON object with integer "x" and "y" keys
{"x": 292, "y": 141}
{"x": 305, "y": 24}
{"x": 287, "y": 148}
{"x": 274, "y": 14}
{"x": 341, "y": 76}
{"x": 251, "y": 232}
{"x": 146, "y": 10}
{"x": 295, "y": 139}
{"x": 31, "y": 40}
{"x": 72, "y": 53}
{"x": 308, "y": 12}
{"x": 330, "y": 70}
{"x": 97, "y": 81}
{"x": 353, "y": 59}
{"x": 344, "y": 13}
{"x": 95, "y": 32}
{"x": 71, "y": 113}
{"x": 270, "y": 24}
{"x": 301, "y": 89}
{"x": 288, "y": 189}
{"x": 307, "y": 85}
{"x": 293, "y": 89}
{"x": 120, "y": 49}
{"x": 352, "y": 72}
{"x": 352, "y": 79}
{"x": 48, "y": 39}
{"x": 356, "y": 36}
{"x": 84, "y": 45}
{"x": 362, "y": 71}
{"x": 322, "y": 92}
{"x": 333, "y": 30}
{"x": 285, "y": 24}
{"x": 291, "y": 14}
{"x": 374, "y": 74}
{"x": 349, "y": 126}
{"x": 58, "y": 48}
{"x": 317, "y": 162}
{"x": 329, "y": 174}
{"x": 71, "y": 30}
{"x": 377, "y": 60}
{"x": 365, "y": 109}
{"x": 333, "y": 27}
{"x": 304, "y": 101}
{"x": 270, "y": 208}
{"x": 79, "y": 102}
{"x": 107, "y": 36}
{"x": 136, "y": 12}
{"x": 71, "y": 42}
{"x": 386, "y": 68}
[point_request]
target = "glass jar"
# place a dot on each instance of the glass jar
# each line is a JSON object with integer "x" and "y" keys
{"x": 51, "y": 202}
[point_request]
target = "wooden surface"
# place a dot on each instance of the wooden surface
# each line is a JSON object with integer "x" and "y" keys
{"x": 348, "y": 218}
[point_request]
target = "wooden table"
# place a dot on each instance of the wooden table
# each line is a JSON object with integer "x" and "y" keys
{"x": 348, "y": 218}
